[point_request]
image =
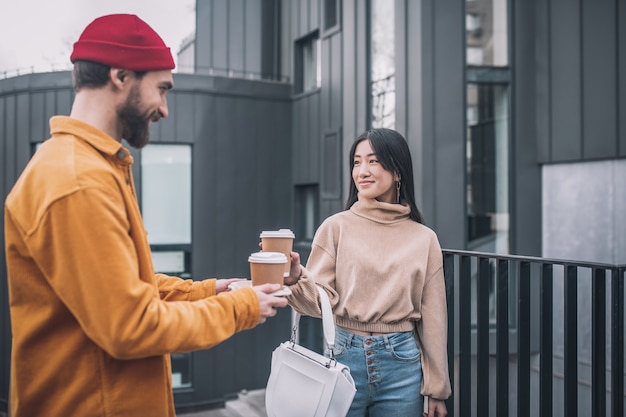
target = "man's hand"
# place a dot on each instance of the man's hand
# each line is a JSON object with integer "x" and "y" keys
{"x": 221, "y": 285}
{"x": 269, "y": 303}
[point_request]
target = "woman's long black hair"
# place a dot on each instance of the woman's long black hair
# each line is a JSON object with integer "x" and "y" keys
{"x": 394, "y": 155}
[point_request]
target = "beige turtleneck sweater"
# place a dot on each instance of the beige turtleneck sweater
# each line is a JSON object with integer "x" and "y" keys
{"x": 383, "y": 273}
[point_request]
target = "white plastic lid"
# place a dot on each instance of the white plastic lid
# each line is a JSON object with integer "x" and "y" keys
{"x": 268, "y": 258}
{"x": 278, "y": 233}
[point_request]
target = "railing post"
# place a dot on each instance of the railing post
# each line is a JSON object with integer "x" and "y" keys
{"x": 449, "y": 275}
{"x": 465, "y": 334}
{"x": 483, "y": 275}
{"x": 598, "y": 347}
{"x": 570, "y": 360}
{"x": 546, "y": 342}
{"x": 502, "y": 338}
{"x": 523, "y": 339}
{"x": 617, "y": 341}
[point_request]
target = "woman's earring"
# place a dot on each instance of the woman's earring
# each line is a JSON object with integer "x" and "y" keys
{"x": 398, "y": 191}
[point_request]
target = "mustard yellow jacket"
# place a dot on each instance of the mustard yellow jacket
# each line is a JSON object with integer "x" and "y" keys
{"x": 93, "y": 325}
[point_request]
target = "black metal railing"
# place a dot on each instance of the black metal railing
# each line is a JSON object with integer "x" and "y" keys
{"x": 512, "y": 319}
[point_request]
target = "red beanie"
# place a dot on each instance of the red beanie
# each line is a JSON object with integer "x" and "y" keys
{"x": 123, "y": 41}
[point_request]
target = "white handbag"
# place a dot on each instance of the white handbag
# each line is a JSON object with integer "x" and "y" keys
{"x": 303, "y": 383}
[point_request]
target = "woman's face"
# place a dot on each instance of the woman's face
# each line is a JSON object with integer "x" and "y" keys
{"x": 371, "y": 179}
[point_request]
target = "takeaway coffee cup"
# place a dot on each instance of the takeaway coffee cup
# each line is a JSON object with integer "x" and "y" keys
{"x": 267, "y": 267}
{"x": 279, "y": 241}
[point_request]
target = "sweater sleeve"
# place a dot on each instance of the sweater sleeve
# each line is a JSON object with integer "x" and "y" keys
{"x": 432, "y": 329}
{"x": 320, "y": 270}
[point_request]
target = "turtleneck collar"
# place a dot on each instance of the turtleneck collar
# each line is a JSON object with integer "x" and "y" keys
{"x": 380, "y": 212}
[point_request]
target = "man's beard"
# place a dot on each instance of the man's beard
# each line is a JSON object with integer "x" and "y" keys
{"x": 135, "y": 125}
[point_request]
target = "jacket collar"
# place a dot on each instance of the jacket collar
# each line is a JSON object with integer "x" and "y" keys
{"x": 95, "y": 137}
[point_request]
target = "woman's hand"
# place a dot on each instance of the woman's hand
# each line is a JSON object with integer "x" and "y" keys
{"x": 436, "y": 408}
{"x": 295, "y": 272}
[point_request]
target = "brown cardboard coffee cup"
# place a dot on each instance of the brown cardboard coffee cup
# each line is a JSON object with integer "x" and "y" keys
{"x": 267, "y": 267}
{"x": 279, "y": 241}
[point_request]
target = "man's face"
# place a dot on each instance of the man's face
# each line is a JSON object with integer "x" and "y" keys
{"x": 146, "y": 102}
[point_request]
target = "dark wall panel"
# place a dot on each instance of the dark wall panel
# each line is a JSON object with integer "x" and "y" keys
{"x": 253, "y": 32}
{"x": 350, "y": 87}
{"x": 542, "y": 72}
{"x": 184, "y": 131}
{"x": 599, "y": 70}
{"x": 300, "y": 144}
{"x": 297, "y": 28}
{"x": 621, "y": 75}
{"x": 236, "y": 36}
{"x": 579, "y": 101}
{"x": 13, "y": 166}
{"x": 286, "y": 44}
{"x": 448, "y": 124}
{"x": 205, "y": 176}
{"x": 418, "y": 114}
{"x": 303, "y": 16}
{"x": 38, "y": 121}
{"x": 335, "y": 82}
{"x": 326, "y": 89}
{"x": 565, "y": 80}
{"x": 23, "y": 128}
{"x": 525, "y": 171}
{"x": 314, "y": 15}
{"x": 219, "y": 35}
{"x": 204, "y": 37}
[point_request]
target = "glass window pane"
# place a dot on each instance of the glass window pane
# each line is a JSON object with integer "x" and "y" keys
{"x": 308, "y": 68}
{"x": 383, "y": 67}
{"x": 166, "y": 193}
{"x": 486, "y": 28}
{"x": 488, "y": 167}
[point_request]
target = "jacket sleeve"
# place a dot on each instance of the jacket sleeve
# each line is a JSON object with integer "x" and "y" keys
{"x": 89, "y": 255}
{"x": 432, "y": 329}
{"x": 178, "y": 289}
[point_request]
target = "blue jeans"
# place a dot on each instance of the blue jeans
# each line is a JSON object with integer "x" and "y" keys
{"x": 387, "y": 371}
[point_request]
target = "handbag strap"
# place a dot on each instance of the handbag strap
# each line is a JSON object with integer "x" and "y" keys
{"x": 328, "y": 323}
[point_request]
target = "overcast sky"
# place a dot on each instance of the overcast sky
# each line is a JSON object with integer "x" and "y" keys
{"x": 40, "y": 33}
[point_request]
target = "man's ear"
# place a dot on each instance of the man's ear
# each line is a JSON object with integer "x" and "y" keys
{"x": 119, "y": 77}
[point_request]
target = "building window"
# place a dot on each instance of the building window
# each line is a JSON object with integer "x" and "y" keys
{"x": 166, "y": 193}
{"x": 331, "y": 15}
{"x": 488, "y": 127}
{"x": 382, "y": 64}
{"x": 308, "y": 66}
{"x": 166, "y": 210}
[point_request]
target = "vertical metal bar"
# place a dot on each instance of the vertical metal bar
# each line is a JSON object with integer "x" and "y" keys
{"x": 546, "y": 343}
{"x": 570, "y": 360}
{"x": 523, "y": 339}
{"x": 617, "y": 341}
{"x": 482, "y": 336}
{"x": 598, "y": 338}
{"x": 449, "y": 274}
{"x": 502, "y": 338}
{"x": 465, "y": 334}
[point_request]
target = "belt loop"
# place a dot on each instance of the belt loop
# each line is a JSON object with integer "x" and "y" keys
{"x": 387, "y": 344}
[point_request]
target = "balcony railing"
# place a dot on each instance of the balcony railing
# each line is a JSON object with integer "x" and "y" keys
{"x": 534, "y": 336}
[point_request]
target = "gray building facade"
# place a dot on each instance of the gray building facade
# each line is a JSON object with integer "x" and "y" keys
{"x": 515, "y": 113}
